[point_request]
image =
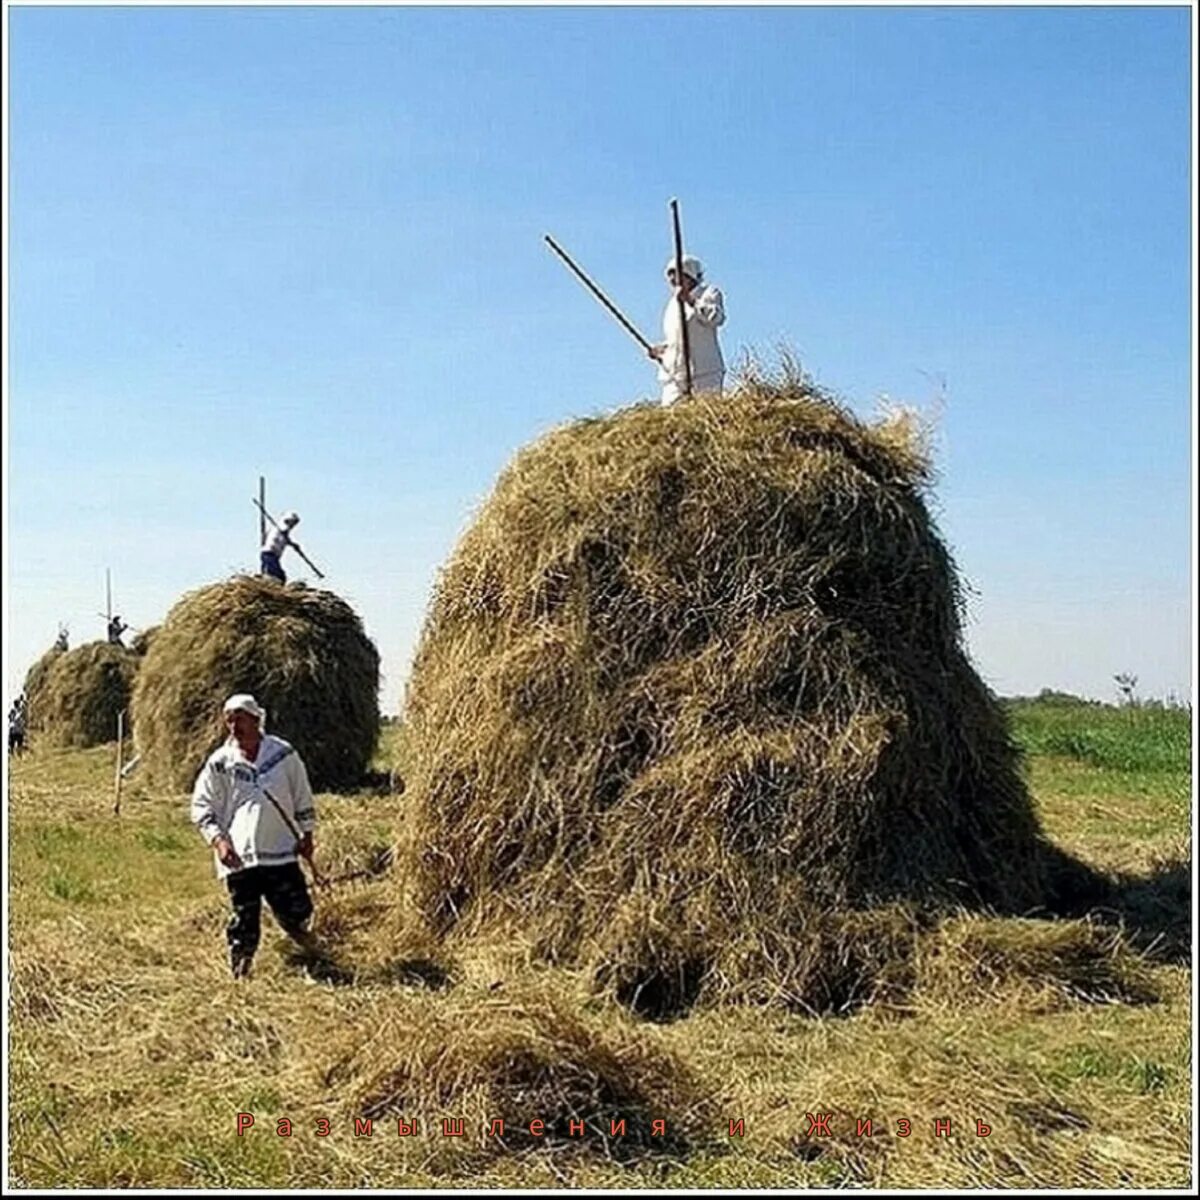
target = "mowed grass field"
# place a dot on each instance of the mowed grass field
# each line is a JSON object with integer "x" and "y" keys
{"x": 131, "y": 1051}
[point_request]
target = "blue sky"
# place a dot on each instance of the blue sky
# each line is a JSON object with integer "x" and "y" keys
{"x": 306, "y": 243}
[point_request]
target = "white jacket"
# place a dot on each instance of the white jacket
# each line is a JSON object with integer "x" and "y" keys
{"x": 705, "y": 315}
{"x": 228, "y": 798}
{"x": 276, "y": 542}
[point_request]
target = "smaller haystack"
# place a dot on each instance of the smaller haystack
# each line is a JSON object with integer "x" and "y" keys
{"x": 302, "y": 652}
{"x": 83, "y": 691}
{"x": 35, "y": 688}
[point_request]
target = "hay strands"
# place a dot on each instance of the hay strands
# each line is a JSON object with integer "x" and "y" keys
{"x": 612, "y": 308}
{"x": 316, "y": 570}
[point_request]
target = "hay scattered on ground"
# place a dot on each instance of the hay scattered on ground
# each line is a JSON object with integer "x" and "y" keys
{"x": 523, "y": 1053}
{"x": 691, "y": 708}
{"x": 302, "y": 652}
{"x": 1040, "y": 964}
{"x": 82, "y": 693}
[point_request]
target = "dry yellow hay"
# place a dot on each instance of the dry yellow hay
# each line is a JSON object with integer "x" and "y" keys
{"x": 691, "y": 710}
{"x": 301, "y": 651}
{"x": 82, "y": 692}
{"x": 35, "y": 685}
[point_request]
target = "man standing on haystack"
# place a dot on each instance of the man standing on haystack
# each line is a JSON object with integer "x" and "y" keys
{"x": 274, "y": 544}
{"x": 704, "y": 307}
{"x": 252, "y": 803}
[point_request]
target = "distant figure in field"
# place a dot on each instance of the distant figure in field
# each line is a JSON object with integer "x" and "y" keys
{"x": 705, "y": 309}
{"x": 116, "y": 627}
{"x": 16, "y": 726}
{"x": 252, "y": 803}
{"x": 277, "y": 540}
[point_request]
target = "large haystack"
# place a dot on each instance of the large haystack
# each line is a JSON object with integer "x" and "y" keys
{"x": 82, "y": 693}
{"x": 301, "y": 651}
{"x": 691, "y": 709}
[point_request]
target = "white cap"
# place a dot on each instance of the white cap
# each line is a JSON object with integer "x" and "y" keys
{"x": 692, "y": 267}
{"x": 244, "y": 702}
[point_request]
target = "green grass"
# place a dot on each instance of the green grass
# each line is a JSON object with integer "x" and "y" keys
{"x": 1141, "y": 738}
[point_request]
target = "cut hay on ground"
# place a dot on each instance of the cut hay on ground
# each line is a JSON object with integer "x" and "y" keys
{"x": 525, "y": 1054}
{"x": 691, "y": 709}
{"x": 83, "y": 691}
{"x": 302, "y": 652}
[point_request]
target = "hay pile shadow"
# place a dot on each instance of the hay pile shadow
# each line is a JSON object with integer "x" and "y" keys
{"x": 302, "y": 652}
{"x": 525, "y": 1055}
{"x": 77, "y": 702}
{"x": 691, "y": 709}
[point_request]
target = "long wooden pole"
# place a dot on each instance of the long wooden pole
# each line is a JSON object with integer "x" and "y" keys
{"x": 108, "y": 594}
{"x": 612, "y": 308}
{"x": 120, "y": 774}
{"x": 687, "y": 349}
{"x": 262, "y": 504}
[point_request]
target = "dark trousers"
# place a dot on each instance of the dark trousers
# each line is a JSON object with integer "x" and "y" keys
{"x": 284, "y": 889}
{"x": 269, "y": 565}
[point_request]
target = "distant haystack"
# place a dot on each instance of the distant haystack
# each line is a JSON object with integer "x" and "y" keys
{"x": 302, "y": 652}
{"x": 35, "y": 687}
{"x": 82, "y": 693}
{"x": 691, "y": 709}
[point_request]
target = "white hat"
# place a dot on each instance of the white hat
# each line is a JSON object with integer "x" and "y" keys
{"x": 692, "y": 266}
{"x": 244, "y": 702}
{"x": 290, "y": 518}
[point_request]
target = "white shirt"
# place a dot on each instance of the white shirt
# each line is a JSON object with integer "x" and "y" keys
{"x": 275, "y": 541}
{"x": 705, "y": 314}
{"x": 228, "y": 798}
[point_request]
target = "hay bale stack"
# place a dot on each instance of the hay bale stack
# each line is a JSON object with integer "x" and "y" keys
{"x": 302, "y": 652}
{"x": 690, "y": 707}
{"x": 83, "y": 691}
{"x": 34, "y": 689}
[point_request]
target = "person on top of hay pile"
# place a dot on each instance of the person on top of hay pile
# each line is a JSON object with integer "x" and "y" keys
{"x": 252, "y": 803}
{"x": 705, "y": 308}
{"x": 274, "y": 545}
{"x": 116, "y": 627}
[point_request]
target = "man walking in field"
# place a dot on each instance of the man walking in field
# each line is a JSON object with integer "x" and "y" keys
{"x": 252, "y": 803}
{"x": 704, "y": 307}
{"x": 276, "y": 541}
